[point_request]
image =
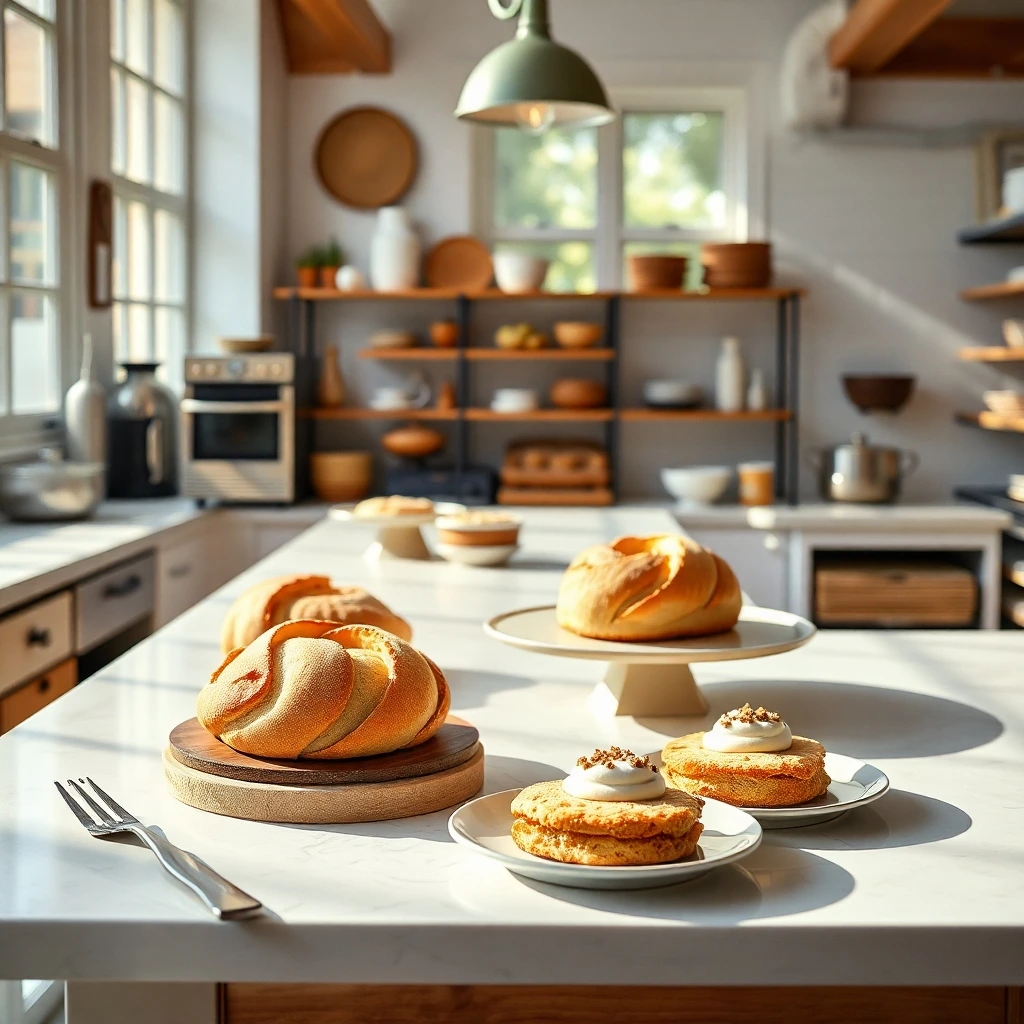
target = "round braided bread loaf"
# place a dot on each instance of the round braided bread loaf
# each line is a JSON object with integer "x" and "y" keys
{"x": 316, "y": 689}
{"x": 282, "y": 598}
{"x": 648, "y": 588}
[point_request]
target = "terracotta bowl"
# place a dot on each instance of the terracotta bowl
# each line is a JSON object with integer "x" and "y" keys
{"x": 479, "y": 530}
{"x": 736, "y": 264}
{"x": 578, "y": 393}
{"x": 656, "y": 273}
{"x": 444, "y": 333}
{"x": 341, "y": 476}
{"x": 575, "y": 334}
{"x": 872, "y": 394}
{"x": 413, "y": 441}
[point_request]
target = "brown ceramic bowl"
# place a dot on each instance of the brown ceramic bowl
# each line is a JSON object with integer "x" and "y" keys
{"x": 576, "y": 334}
{"x": 479, "y": 529}
{"x": 413, "y": 441}
{"x": 873, "y": 394}
{"x": 444, "y": 333}
{"x": 578, "y": 393}
{"x": 656, "y": 273}
{"x": 341, "y": 476}
{"x": 736, "y": 264}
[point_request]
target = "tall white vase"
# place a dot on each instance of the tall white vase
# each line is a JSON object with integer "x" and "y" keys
{"x": 394, "y": 252}
{"x": 85, "y": 413}
{"x": 730, "y": 377}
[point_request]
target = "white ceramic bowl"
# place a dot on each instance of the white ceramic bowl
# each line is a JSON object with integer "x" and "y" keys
{"x": 1006, "y": 403}
{"x": 515, "y": 400}
{"x": 696, "y": 485}
{"x": 671, "y": 392}
{"x": 469, "y": 554}
{"x": 1013, "y": 333}
{"x": 518, "y": 272}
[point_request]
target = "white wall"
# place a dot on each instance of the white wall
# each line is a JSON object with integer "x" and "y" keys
{"x": 870, "y": 231}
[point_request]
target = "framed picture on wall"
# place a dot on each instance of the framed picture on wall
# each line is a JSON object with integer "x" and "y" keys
{"x": 997, "y": 153}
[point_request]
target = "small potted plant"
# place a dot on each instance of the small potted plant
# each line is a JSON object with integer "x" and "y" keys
{"x": 307, "y": 268}
{"x": 332, "y": 259}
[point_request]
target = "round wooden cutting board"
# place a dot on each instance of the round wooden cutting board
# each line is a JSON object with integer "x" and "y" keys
{"x": 453, "y": 744}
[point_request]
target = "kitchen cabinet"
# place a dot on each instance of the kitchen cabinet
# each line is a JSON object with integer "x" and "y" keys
{"x": 185, "y": 573}
{"x": 267, "y": 539}
{"x": 759, "y": 558}
{"x": 33, "y": 696}
{"x": 34, "y": 638}
{"x": 110, "y": 602}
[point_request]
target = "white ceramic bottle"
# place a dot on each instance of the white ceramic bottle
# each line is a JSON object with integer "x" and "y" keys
{"x": 730, "y": 377}
{"x": 394, "y": 252}
{"x": 85, "y": 413}
{"x": 757, "y": 393}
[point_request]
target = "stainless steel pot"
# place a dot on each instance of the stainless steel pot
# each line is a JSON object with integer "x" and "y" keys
{"x": 862, "y": 472}
{"x": 50, "y": 489}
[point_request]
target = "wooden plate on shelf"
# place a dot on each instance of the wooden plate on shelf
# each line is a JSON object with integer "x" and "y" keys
{"x": 366, "y": 158}
{"x": 461, "y": 261}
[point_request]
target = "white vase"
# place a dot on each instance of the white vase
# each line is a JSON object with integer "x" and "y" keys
{"x": 85, "y": 413}
{"x": 757, "y": 393}
{"x": 394, "y": 252}
{"x": 730, "y": 377}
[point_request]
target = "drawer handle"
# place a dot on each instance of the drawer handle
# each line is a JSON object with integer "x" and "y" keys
{"x": 39, "y": 636}
{"x": 124, "y": 588}
{"x": 44, "y": 684}
{"x": 177, "y": 572}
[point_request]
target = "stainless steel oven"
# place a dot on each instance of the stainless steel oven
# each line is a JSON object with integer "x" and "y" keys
{"x": 238, "y": 428}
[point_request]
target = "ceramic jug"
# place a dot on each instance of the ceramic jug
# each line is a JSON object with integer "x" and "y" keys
{"x": 330, "y": 388}
{"x": 394, "y": 252}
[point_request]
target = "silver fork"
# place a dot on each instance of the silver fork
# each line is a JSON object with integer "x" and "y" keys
{"x": 227, "y": 901}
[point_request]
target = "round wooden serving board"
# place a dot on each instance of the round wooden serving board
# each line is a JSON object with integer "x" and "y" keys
{"x": 452, "y": 745}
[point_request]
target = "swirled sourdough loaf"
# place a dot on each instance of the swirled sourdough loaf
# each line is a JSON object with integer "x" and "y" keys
{"x": 282, "y": 598}
{"x": 319, "y": 690}
{"x": 648, "y": 588}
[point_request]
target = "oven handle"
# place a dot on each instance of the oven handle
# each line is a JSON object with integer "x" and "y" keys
{"x": 196, "y": 405}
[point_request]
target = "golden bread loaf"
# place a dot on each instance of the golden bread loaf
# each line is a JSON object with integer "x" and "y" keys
{"x": 393, "y": 505}
{"x": 282, "y": 598}
{"x": 313, "y": 689}
{"x": 648, "y": 588}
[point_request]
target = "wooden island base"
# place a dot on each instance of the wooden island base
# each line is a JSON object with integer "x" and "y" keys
{"x": 585, "y": 1004}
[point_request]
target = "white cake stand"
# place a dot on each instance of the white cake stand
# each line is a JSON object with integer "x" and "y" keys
{"x": 397, "y": 536}
{"x": 653, "y": 679}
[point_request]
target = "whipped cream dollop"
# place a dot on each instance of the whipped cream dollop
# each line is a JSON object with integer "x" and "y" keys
{"x": 748, "y": 731}
{"x": 614, "y": 774}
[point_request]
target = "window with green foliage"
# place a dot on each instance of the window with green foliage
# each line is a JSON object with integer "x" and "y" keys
{"x": 666, "y": 176}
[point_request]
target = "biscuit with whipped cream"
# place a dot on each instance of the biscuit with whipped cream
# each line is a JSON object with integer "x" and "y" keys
{"x": 613, "y": 809}
{"x": 749, "y": 758}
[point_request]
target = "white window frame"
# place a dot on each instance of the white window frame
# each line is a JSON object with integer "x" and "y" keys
{"x": 23, "y": 433}
{"x": 127, "y": 190}
{"x": 740, "y": 169}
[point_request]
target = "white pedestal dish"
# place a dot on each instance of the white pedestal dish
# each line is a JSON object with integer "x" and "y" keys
{"x": 397, "y": 536}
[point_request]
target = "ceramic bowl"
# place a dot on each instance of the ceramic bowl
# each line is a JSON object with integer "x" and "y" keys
{"x": 1006, "y": 403}
{"x": 696, "y": 485}
{"x": 239, "y": 346}
{"x": 444, "y": 333}
{"x": 578, "y": 393}
{"x": 341, "y": 476}
{"x": 655, "y": 273}
{"x": 576, "y": 334}
{"x": 413, "y": 441}
{"x": 518, "y": 272}
{"x": 671, "y": 393}
{"x": 479, "y": 529}
{"x": 876, "y": 393}
{"x": 514, "y": 400}
{"x": 394, "y": 339}
{"x": 1013, "y": 333}
{"x": 476, "y": 554}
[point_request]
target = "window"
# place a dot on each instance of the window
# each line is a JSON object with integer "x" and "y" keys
{"x": 149, "y": 159}
{"x": 32, "y": 178}
{"x": 670, "y": 173}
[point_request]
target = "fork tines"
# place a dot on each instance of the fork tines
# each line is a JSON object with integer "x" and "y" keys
{"x": 98, "y": 811}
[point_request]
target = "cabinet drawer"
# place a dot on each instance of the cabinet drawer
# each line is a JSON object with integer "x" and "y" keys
{"x": 25, "y": 701}
{"x": 183, "y": 578}
{"x": 35, "y": 638}
{"x": 106, "y": 604}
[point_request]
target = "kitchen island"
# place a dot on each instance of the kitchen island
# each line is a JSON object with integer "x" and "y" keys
{"x": 924, "y": 888}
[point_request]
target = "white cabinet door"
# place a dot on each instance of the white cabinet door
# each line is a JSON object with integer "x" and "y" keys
{"x": 758, "y": 557}
{"x": 184, "y": 576}
{"x": 270, "y": 538}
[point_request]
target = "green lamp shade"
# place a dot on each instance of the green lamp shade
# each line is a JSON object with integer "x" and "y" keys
{"x": 529, "y": 74}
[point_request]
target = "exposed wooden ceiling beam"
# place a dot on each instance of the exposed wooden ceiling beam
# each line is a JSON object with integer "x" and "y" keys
{"x": 876, "y": 30}
{"x": 334, "y": 36}
{"x": 963, "y": 48}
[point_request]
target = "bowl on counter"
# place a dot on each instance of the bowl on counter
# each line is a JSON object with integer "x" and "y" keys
{"x": 1005, "y": 403}
{"x": 518, "y": 273}
{"x": 341, "y": 476}
{"x": 478, "y": 537}
{"x": 50, "y": 489}
{"x": 696, "y": 485}
{"x": 671, "y": 394}
{"x": 875, "y": 393}
{"x": 578, "y": 393}
{"x": 577, "y": 334}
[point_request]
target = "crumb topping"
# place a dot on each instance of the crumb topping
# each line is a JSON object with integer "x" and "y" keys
{"x": 748, "y": 715}
{"x": 608, "y": 757}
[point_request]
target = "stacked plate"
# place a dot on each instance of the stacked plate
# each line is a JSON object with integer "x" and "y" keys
{"x": 671, "y": 394}
{"x": 737, "y": 264}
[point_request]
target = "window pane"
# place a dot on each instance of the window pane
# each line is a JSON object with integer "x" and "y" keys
{"x": 136, "y": 35}
{"x": 167, "y": 46}
{"x": 672, "y": 170}
{"x": 119, "y": 314}
{"x": 137, "y": 131}
{"x": 31, "y": 212}
{"x": 572, "y": 263}
{"x": 139, "y": 258}
{"x": 44, "y": 8}
{"x": 117, "y": 30}
{"x": 694, "y": 270}
{"x": 35, "y": 370}
{"x": 120, "y": 249}
{"x": 545, "y": 181}
{"x": 27, "y": 79}
{"x": 169, "y": 266}
{"x": 169, "y": 133}
{"x": 138, "y": 341}
{"x": 117, "y": 122}
{"x": 169, "y": 335}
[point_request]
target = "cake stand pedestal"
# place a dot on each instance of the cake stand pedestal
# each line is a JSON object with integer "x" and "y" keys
{"x": 652, "y": 680}
{"x": 397, "y": 536}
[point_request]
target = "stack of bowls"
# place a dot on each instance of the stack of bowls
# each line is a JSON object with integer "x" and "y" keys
{"x": 341, "y": 476}
{"x": 656, "y": 273}
{"x": 478, "y": 538}
{"x": 671, "y": 394}
{"x": 737, "y": 264}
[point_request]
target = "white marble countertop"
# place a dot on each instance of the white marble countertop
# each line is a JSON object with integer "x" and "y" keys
{"x": 923, "y": 887}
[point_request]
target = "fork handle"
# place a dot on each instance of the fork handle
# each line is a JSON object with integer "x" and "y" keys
{"x": 225, "y": 900}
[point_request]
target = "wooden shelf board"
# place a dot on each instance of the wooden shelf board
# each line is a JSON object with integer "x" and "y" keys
{"x": 415, "y": 353}
{"x": 991, "y": 354}
{"x": 493, "y": 295}
{"x": 1000, "y": 290}
{"x": 708, "y": 415}
{"x": 378, "y": 414}
{"x": 992, "y": 421}
{"x": 497, "y": 295}
{"x": 543, "y": 416}
{"x": 549, "y": 354}
{"x": 719, "y": 294}
{"x": 366, "y": 294}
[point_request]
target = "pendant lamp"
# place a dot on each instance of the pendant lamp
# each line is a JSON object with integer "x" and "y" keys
{"x": 531, "y": 81}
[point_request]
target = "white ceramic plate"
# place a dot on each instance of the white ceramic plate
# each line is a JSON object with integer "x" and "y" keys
{"x": 476, "y": 554}
{"x": 759, "y": 632}
{"x": 484, "y": 825}
{"x": 344, "y": 514}
{"x": 854, "y": 784}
